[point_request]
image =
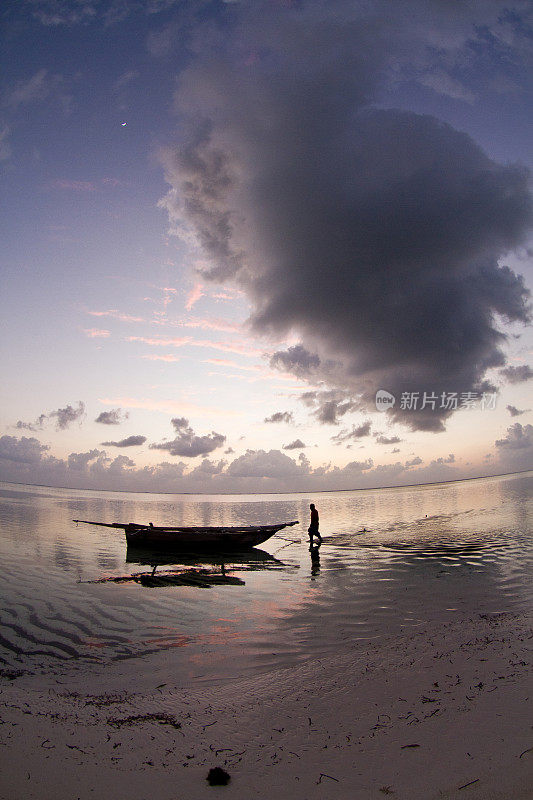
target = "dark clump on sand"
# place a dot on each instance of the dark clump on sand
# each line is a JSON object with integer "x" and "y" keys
{"x": 218, "y": 777}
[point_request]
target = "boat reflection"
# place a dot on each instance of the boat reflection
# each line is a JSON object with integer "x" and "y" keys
{"x": 192, "y": 569}
{"x": 247, "y": 560}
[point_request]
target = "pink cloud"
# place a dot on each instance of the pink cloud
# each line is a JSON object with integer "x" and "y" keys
{"x": 230, "y": 347}
{"x": 212, "y": 325}
{"x": 226, "y": 347}
{"x": 161, "y": 342}
{"x": 226, "y": 362}
{"x": 166, "y": 406}
{"x": 228, "y": 294}
{"x": 96, "y": 333}
{"x": 116, "y": 315}
{"x": 193, "y": 297}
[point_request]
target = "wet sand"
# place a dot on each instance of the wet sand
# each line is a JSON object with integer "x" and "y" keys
{"x": 446, "y": 712}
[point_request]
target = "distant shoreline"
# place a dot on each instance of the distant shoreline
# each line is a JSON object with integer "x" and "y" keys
{"x": 300, "y": 491}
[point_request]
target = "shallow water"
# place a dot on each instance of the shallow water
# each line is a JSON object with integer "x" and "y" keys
{"x": 428, "y": 553}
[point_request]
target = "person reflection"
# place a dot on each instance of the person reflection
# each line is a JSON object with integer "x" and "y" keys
{"x": 315, "y": 558}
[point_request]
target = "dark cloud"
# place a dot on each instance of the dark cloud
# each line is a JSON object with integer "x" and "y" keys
{"x": 374, "y": 235}
{"x": 517, "y": 374}
{"x": 113, "y": 417}
{"x": 357, "y": 432}
{"x": 414, "y": 462}
{"x": 297, "y": 360}
{"x": 519, "y": 437}
{"x": 328, "y": 406}
{"x": 179, "y": 423}
{"x": 64, "y": 418}
{"x": 32, "y": 426}
{"x": 187, "y": 443}
{"x": 381, "y": 439}
{"x": 280, "y": 416}
{"x": 296, "y": 445}
{"x": 129, "y": 441}
{"x": 516, "y": 412}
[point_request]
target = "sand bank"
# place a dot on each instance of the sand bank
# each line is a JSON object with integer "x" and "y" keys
{"x": 445, "y": 712}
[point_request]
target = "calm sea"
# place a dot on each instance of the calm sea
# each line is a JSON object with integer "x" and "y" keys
{"x": 428, "y": 553}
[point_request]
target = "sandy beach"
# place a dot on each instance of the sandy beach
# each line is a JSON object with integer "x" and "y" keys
{"x": 445, "y": 712}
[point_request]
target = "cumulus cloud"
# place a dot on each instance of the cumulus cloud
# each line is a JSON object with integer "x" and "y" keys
{"x": 517, "y": 374}
{"x": 515, "y": 450}
{"x": 24, "y": 450}
{"x": 450, "y": 459}
{"x": 280, "y": 416}
{"x": 357, "y": 432}
{"x": 414, "y": 462}
{"x": 32, "y": 426}
{"x": 516, "y": 412}
{"x": 129, "y": 441}
{"x": 112, "y": 417}
{"x": 519, "y": 437}
{"x": 296, "y": 445}
{"x": 329, "y": 405}
{"x": 263, "y": 464}
{"x": 25, "y": 460}
{"x": 381, "y": 439}
{"x": 64, "y": 418}
{"x": 187, "y": 443}
{"x": 375, "y": 236}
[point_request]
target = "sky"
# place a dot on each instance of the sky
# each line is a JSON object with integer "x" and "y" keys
{"x": 265, "y": 246}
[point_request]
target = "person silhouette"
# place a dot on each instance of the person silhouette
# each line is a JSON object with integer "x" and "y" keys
{"x": 313, "y": 527}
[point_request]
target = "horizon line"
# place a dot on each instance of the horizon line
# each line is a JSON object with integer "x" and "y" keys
{"x": 300, "y": 491}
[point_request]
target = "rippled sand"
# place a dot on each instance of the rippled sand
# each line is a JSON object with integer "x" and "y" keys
{"x": 443, "y": 713}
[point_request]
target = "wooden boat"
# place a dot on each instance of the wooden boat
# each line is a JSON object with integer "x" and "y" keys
{"x": 219, "y": 538}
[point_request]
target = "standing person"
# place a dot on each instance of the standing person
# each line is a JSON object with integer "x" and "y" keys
{"x": 313, "y": 527}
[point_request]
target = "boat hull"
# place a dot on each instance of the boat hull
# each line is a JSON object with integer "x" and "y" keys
{"x": 199, "y": 539}
{"x": 219, "y": 539}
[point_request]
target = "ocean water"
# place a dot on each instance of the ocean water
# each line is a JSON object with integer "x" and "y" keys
{"x": 392, "y": 560}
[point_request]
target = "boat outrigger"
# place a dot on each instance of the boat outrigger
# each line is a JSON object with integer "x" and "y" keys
{"x": 219, "y": 538}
